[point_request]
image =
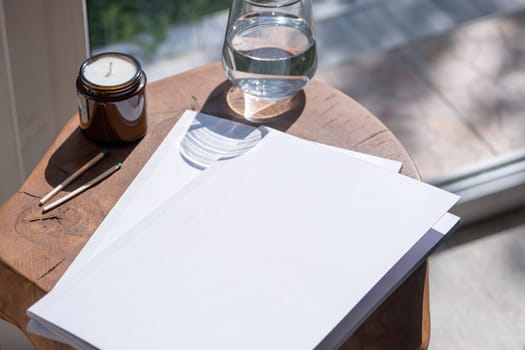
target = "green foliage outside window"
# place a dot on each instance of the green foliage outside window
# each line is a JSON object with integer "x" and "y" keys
{"x": 113, "y": 21}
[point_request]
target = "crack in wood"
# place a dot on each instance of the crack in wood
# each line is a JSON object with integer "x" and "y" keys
{"x": 54, "y": 217}
{"x": 371, "y": 137}
{"x": 51, "y": 269}
{"x": 382, "y": 142}
{"x": 327, "y": 111}
{"x": 331, "y": 96}
{"x": 193, "y": 107}
{"x": 333, "y": 120}
{"x": 29, "y": 194}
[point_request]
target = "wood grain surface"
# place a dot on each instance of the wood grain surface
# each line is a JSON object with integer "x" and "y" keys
{"x": 36, "y": 248}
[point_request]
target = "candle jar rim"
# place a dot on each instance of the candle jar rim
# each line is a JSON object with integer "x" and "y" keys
{"x": 109, "y": 88}
{"x": 111, "y": 95}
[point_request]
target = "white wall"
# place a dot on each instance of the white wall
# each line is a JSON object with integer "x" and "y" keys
{"x": 10, "y": 156}
{"x": 41, "y": 48}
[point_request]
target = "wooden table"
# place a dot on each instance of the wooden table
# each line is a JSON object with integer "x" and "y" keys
{"x": 36, "y": 248}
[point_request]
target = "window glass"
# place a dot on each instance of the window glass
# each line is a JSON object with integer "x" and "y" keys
{"x": 167, "y": 36}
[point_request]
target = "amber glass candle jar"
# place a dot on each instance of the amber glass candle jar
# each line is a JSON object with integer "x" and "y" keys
{"x": 111, "y": 98}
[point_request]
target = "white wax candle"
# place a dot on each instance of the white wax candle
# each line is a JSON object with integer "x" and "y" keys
{"x": 110, "y": 70}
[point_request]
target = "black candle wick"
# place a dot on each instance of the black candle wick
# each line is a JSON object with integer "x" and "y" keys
{"x": 110, "y": 67}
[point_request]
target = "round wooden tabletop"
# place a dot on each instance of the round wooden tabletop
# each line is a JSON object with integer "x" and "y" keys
{"x": 36, "y": 248}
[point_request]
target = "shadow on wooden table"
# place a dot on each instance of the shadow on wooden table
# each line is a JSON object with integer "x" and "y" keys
{"x": 75, "y": 151}
{"x": 227, "y": 102}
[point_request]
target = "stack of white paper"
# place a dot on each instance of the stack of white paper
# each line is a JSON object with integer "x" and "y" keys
{"x": 289, "y": 246}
